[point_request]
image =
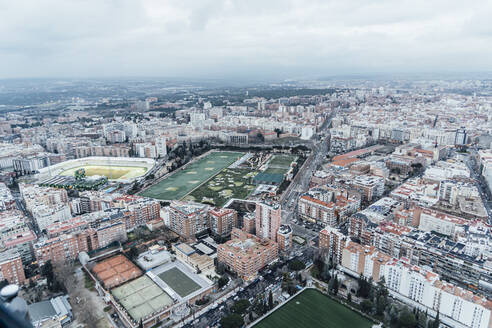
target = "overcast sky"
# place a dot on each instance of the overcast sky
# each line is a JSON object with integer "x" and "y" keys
{"x": 243, "y": 38}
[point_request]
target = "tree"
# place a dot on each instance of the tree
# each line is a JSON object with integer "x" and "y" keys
{"x": 133, "y": 253}
{"x": 240, "y": 306}
{"x": 270, "y": 300}
{"x": 436, "y": 322}
{"x": 349, "y": 297}
{"x": 296, "y": 265}
{"x": 140, "y": 325}
{"x": 381, "y": 303}
{"x": 366, "y": 306}
{"x": 335, "y": 285}
{"x": 288, "y": 285}
{"x": 223, "y": 281}
{"x": 407, "y": 319}
{"x": 232, "y": 321}
{"x": 53, "y": 284}
{"x": 364, "y": 288}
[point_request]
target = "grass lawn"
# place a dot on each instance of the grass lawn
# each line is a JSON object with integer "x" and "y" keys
{"x": 313, "y": 309}
{"x": 281, "y": 161}
{"x": 111, "y": 172}
{"x": 179, "y": 282}
{"x": 230, "y": 183}
{"x": 182, "y": 182}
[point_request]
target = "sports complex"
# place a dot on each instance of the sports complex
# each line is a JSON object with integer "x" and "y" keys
{"x": 219, "y": 176}
{"x": 181, "y": 183}
{"x": 120, "y": 169}
{"x": 311, "y": 308}
{"x": 162, "y": 292}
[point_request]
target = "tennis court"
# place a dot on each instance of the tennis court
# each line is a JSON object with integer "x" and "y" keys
{"x": 141, "y": 297}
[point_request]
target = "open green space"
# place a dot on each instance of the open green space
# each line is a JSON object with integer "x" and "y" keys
{"x": 111, "y": 172}
{"x": 313, "y": 309}
{"x": 177, "y": 185}
{"x": 229, "y": 183}
{"x": 179, "y": 282}
{"x": 281, "y": 161}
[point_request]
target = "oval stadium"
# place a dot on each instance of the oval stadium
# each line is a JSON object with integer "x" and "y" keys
{"x": 120, "y": 169}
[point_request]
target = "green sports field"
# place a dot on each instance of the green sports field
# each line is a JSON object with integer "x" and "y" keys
{"x": 313, "y": 309}
{"x": 179, "y": 282}
{"x": 281, "y": 161}
{"x": 182, "y": 182}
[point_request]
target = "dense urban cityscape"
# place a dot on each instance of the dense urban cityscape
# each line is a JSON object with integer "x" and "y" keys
{"x": 245, "y": 164}
{"x": 364, "y": 202}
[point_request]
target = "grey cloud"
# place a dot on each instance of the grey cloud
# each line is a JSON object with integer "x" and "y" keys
{"x": 237, "y": 37}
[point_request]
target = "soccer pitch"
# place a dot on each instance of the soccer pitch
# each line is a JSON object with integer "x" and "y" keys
{"x": 177, "y": 185}
{"x": 179, "y": 282}
{"x": 111, "y": 172}
{"x": 313, "y": 309}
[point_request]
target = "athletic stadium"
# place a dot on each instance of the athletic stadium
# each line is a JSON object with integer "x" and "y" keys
{"x": 118, "y": 169}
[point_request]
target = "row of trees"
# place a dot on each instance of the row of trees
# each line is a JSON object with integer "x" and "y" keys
{"x": 374, "y": 299}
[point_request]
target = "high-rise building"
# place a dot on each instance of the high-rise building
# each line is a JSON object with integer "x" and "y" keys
{"x": 461, "y": 137}
{"x": 249, "y": 221}
{"x": 284, "y": 237}
{"x": 187, "y": 218}
{"x": 160, "y": 146}
{"x": 222, "y": 220}
{"x": 333, "y": 242}
{"x": 268, "y": 217}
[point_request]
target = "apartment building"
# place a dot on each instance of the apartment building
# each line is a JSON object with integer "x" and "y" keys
{"x": 105, "y": 151}
{"x": 370, "y": 186}
{"x": 47, "y": 205}
{"x": 332, "y": 241}
{"x": 284, "y": 237}
{"x": 11, "y": 268}
{"x": 246, "y": 254}
{"x": 222, "y": 220}
{"x": 268, "y": 218}
{"x": 107, "y": 233}
{"x": 249, "y": 223}
{"x": 327, "y": 207}
{"x": 139, "y": 210}
{"x": 187, "y": 218}
{"x": 464, "y": 257}
{"x": 432, "y": 220}
{"x": 7, "y": 201}
{"x": 413, "y": 283}
{"x": 62, "y": 248}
